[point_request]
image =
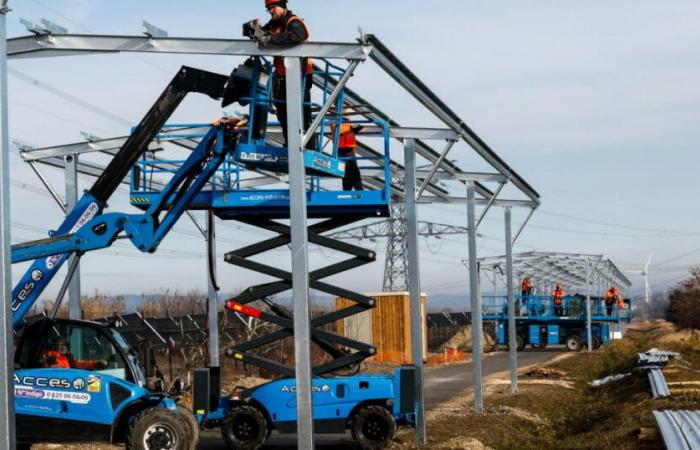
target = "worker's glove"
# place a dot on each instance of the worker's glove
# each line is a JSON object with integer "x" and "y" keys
{"x": 264, "y": 40}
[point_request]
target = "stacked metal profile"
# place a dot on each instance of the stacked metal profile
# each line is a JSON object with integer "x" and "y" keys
{"x": 652, "y": 360}
{"x": 659, "y": 388}
{"x": 680, "y": 430}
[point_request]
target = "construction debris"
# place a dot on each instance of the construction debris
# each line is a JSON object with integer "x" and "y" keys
{"x": 542, "y": 372}
{"x": 609, "y": 379}
{"x": 462, "y": 340}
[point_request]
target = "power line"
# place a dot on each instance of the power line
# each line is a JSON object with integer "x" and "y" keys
{"x": 614, "y": 225}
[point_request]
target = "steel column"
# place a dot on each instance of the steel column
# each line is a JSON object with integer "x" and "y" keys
{"x": 511, "y": 304}
{"x": 71, "y": 179}
{"x": 212, "y": 294}
{"x": 414, "y": 286}
{"x": 588, "y": 307}
{"x": 300, "y": 256}
{"x": 477, "y": 335}
{"x": 7, "y": 404}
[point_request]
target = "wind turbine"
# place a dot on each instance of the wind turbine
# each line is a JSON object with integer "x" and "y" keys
{"x": 645, "y": 273}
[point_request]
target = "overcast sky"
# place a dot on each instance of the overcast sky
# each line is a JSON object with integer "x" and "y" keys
{"x": 595, "y": 104}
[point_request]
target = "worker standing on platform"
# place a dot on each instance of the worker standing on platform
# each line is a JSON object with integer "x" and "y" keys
{"x": 558, "y": 299}
{"x": 612, "y": 297}
{"x": 525, "y": 292}
{"x": 285, "y": 29}
{"x": 346, "y": 149}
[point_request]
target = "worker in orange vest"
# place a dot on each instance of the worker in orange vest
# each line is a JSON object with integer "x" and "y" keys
{"x": 558, "y": 298}
{"x": 285, "y": 29}
{"x": 526, "y": 287}
{"x": 525, "y": 293}
{"x": 60, "y": 358}
{"x": 612, "y": 297}
{"x": 347, "y": 143}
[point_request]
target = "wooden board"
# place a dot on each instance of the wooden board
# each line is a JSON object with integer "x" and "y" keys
{"x": 390, "y": 323}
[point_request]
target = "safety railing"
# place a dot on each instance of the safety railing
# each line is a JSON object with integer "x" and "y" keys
{"x": 545, "y": 306}
{"x": 375, "y": 164}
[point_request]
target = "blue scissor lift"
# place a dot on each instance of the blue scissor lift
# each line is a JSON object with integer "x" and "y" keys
{"x": 339, "y": 402}
{"x": 539, "y": 322}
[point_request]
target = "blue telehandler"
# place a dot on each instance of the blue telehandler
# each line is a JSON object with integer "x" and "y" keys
{"x": 78, "y": 380}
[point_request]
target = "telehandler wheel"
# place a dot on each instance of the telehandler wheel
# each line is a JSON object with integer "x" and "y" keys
{"x": 191, "y": 424}
{"x": 245, "y": 428}
{"x": 573, "y": 343}
{"x": 596, "y": 343}
{"x": 157, "y": 429}
{"x": 519, "y": 344}
{"x": 373, "y": 428}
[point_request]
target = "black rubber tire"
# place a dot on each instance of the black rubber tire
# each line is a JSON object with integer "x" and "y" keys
{"x": 596, "y": 343}
{"x": 157, "y": 429}
{"x": 573, "y": 343}
{"x": 245, "y": 428}
{"x": 373, "y": 428}
{"x": 192, "y": 425}
{"x": 519, "y": 344}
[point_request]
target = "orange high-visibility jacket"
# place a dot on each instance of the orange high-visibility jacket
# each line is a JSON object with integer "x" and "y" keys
{"x": 611, "y": 297}
{"x": 347, "y": 136}
{"x": 280, "y": 70}
{"x": 526, "y": 284}
{"x": 63, "y": 361}
{"x": 558, "y": 294}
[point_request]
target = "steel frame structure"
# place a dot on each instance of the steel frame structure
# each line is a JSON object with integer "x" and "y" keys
{"x": 417, "y": 186}
{"x": 588, "y": 273}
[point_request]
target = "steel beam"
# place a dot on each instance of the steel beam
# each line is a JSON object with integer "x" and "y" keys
{"x": 300, "y": 257}
{"x": 428, "y": 179}
{"x": 414, "y": 287}
{"x": 511, "y": 304}
{"x": 329, "y": 102}
{"x": 71, "y": 179}
{"x": 423, "y": 133}
{"x": 462, "y": 176}
{"x": 7, "y": 404}
{"x": 477, "y": 334}
{"x": 59, "y": 201}
{"x": 212, "y": 294}
{"x": 399, "y": 72}
{"x": 490, "y": 202}
{"x": 47, "y": 45}
{"x": 479, "y": 201}
{"x": 588, "y": 307}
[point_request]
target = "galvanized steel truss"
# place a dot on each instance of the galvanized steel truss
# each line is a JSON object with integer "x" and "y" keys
{"x": 409, "y": 184}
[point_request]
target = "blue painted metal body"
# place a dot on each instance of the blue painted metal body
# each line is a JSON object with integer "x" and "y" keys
{"x": 86, "y": 228}
{"x": 542, "y": 308}
{"x": 78, "y": 395}
{"x": 42, "y": 271}
{"x": 334, "y": 399}
{"x": 540, "y": 333}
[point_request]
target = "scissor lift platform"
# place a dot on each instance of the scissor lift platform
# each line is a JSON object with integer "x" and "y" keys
{"x": 276, "y": 159}
{"x": 274, "y": 203}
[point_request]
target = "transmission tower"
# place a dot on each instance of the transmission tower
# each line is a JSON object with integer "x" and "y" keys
{"x": 394, "y": 229}
{"x": 395, "y": 263}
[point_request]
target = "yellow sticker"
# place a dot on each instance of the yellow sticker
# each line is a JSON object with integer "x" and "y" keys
{"x": 94, "y": 383}
{"x": 238, "y": 356}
